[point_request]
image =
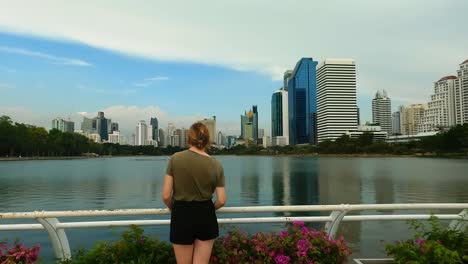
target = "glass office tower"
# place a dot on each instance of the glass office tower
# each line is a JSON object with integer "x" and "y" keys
{"x": 302, "y": 103}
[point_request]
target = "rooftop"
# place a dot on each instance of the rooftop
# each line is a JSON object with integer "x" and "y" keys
{"x": 450, "y": 77}
{"x": 466, "y": 61}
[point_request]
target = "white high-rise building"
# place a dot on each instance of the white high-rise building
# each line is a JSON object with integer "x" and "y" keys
{"x": 114, "y": 138}
{"x": 461, "y": 94}
{"x": 141, "y": 134}
{"x": 221, "y": 139}
{"x": 440, "y": 112}
{"x": 150, "y": 137}
{"x": 211, "y": 125}
{"x": 169, "y": 132}
{"x": 336, "y": 98}
{"x": 382, "y": 111}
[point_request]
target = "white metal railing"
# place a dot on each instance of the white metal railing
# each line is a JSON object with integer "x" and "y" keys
{"x": 48, "y": 220}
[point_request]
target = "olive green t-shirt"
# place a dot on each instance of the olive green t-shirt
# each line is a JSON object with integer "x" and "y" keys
{"x": 195, "y": 176}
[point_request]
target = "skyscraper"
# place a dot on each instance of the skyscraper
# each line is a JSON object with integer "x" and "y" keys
{"x": 162, "y": 138}
{"x": 155, "y": 128}
{"x": 441, "y": 110}
{"x": 461, "y": 94}
{"x": 396, "y": 123}
{"x": 279, "y": 117}
{"x": 63, "y": 125}
{"x": 103, "y": 126}
{"x": 336, "y": 98}
{"x": 99, "y": 125}
{"x": 169, "y": 132}
{"x": 210, "y": 123}
{"x": 411, "y": 117}
{"x": 255, "y": 121}
{"x": 180, "y": 138}
{"x": 114, "y": 127}
{"x": 302, "y": 103}
{"x": 249, "y": 124}
{"x": 141, "y": 134}
{"x": 382, "y": 111}
{"x": 286, "y": 77}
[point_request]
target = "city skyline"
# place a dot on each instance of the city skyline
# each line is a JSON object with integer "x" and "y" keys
{"x": 51, "y": 69}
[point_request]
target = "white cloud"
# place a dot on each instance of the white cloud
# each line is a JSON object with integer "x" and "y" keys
{"x": 157, "y": 78}
{"x": 44, "y": 56}
{"x": 150, "y": 81}
{"x": 397, "y": 44}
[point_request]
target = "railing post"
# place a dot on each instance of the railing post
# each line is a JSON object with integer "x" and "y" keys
{"x": 57, "y": 237}
{"x": 460, "y": 225}
{"x": 336, "y": 217}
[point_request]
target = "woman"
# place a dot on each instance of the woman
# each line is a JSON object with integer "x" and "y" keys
{"x": 192, "y": 176}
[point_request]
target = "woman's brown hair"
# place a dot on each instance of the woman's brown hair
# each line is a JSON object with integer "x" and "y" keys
{"x": 198, "y": 136}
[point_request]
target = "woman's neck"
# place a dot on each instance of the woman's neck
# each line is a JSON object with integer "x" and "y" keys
{"x": 197, "y": 150}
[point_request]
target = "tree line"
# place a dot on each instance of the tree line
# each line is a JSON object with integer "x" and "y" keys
{"x": 453, "y": 141}
{"x": 25, "y": 140}
{"x": 30, "y": 141}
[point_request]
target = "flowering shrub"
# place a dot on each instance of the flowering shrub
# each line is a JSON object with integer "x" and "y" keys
{"x": 434, "y": 245}
{"x": 134, "y": 247}
{"x": 18, "y": 253}
{"x": 297, "y": 244}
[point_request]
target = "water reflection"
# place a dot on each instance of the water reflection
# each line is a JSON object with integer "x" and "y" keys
{"x": 129, "y": 183}
{"x": 249, "y": 182}
{"x": 294, "y": 182}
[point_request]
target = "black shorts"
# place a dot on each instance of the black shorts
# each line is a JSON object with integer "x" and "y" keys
{"x": 193, "y": 220}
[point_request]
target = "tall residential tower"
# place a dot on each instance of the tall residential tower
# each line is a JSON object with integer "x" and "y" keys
{"x": 382, "y": 111}
{"x": 441, "y": 111}
{"x": 336, "y": 98}
{"x": 461, "y": 94}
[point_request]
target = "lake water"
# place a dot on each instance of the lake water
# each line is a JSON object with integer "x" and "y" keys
{"x": 136, "y": 182}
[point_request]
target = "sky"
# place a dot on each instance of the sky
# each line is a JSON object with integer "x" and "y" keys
{"x": 185, "y": 60}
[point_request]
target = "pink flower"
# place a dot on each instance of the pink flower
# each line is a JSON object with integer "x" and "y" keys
{"x": 423, "y": 250}
{"x": 258, "y": 248}
{"x": 419, "y": 241}
{"x": 283, "y": 233}
{"x": 298, "y": 223}
{"x": 302, "y": 245}
{"x": 282, "y": 259}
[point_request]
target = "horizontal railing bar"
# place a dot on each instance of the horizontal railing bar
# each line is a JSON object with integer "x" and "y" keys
{"x": 250, "y": 209}
{"x": 248, "y": 220}
{"x": 21, "y": 227}
{"x": 350, "y": 218}
{"x": 113, "y": 223}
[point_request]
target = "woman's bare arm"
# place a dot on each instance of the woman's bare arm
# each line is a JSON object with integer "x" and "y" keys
{"x": 220, "y": 197}
{"x": 167, "y": 191}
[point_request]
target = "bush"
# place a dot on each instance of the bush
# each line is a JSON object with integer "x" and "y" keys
{"x": 297, "y": 244}
{"x": 433, "y": 244}
{"x": 18, "y": 253}
{"x": 134, "y": 247}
